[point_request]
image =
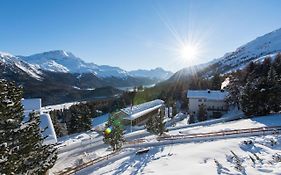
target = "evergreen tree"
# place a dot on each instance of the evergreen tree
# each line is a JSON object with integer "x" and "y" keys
{"x": 277, "y": 64}
{"x": 22, "y": 150}
{"x": 57, "y": 125}
{"x": 202, "y": 112}
{"x": 254, "y": 99}
{"x": 234, "y": 90}
{"x": 156, "y": 124}
{"x": 274, "y": 90}
{"x": 261, "y": 95}
{"x": 81, "y": 119}
{"x": 37, "y": 157}
{"x": 216, "y": 82}
{"x": 115, "y": 136}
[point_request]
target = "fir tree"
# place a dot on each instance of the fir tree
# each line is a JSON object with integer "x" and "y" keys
{"x": 156, "y": 124}
{"x": 234, "y": 90}
{"x": 216, "y": 82}
{"x": 115, "y": 137}
{"x": 254, "y": 98}
{"x": 274, "y": 90}
{"x": 80, "y": 119}
{"x": 22, "y": 150}
{"x": 202, "y": 112}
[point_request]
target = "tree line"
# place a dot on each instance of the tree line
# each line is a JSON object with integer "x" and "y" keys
{"x": 256, "y": 89}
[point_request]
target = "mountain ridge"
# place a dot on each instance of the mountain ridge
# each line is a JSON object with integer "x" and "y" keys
{"x": 266, "y": 45}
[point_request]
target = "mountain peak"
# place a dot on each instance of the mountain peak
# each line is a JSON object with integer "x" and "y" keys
{"x": 57, "y": 53}
{"x": 5, "y": 54}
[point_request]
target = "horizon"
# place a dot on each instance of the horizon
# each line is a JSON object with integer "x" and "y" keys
{"x": 122, "y": 35}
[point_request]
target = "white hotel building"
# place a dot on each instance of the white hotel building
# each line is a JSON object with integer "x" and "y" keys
{"x": 214, "y": 100}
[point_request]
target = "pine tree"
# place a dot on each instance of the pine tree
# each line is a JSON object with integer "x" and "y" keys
{"x": 37, "y": 157}
{"x": 156, "y": 124}
{"x": 234, "y": 89}
{"x": 202, "y": 112}
{"x": 80, "y": 120}
{"x": 274, "y": 90}
{"x": 57, "y": 125}
{"x": 216, "y": 82}
{"x": 22, "y": 150}
{"x": 115, "y": 137}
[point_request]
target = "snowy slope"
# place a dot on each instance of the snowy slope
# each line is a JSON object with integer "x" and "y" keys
{"x": 62, "y": 61}
{"x": 267, "y": 44}
{"x": 158, "y": 73}
{"x": 188, "y": 158}
{"x": 15, "y": 64}
{"x": 199, "y": 158}
{"x": 255, "y": 50}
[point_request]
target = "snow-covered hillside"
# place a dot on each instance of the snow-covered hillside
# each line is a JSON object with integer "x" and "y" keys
{"x": 158, "y": 73}
{"x": 62, "y": 61}
{"x": 256, "y": 154}
{"x": 256, "y": 50}
{"x": 15, "y": 64}
{"x": 210, "y": 158}
{"x": 262, "y": 46}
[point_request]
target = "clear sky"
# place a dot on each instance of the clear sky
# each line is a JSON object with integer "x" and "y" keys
{"x": 135, "y": 34}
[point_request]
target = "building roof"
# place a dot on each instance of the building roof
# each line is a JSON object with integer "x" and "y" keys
{"x": 142, "y": 109}
{"x": 207, "y": 94}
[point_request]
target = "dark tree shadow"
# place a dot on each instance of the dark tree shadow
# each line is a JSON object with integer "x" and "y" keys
{"x": 138, "y": 162}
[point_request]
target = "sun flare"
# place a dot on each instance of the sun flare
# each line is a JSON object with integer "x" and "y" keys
{"x": 188, "y": 52}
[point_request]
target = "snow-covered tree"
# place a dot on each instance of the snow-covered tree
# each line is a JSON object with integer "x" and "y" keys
{"x": 156, "y": 124}
{"x": 274, "y": 90}
{"x": 22, "y": 150}
{"x": 114, "y": 133}
{"x": 234, "y": 88}
{"x": 261, "y": 95}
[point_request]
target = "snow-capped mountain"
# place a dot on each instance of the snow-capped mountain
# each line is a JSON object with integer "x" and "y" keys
{"x": 255, "y": 50}
{"x": 268, "y": 44}
{"x": 11, "y": 63}
{"x": 62, "y": 61}
{"x": 157, "y": 73}
{"x": 59, "y": 76}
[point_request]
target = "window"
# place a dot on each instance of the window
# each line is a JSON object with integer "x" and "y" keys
{"x": 199, "y": 100}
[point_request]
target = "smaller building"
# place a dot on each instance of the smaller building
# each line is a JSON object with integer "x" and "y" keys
{"x": 34, "y": 105}
{"x": 139, "y": 114}
{"x": 213, "y": 100}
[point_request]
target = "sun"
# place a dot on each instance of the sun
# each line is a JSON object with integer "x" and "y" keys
{"x": 188, "y": 51}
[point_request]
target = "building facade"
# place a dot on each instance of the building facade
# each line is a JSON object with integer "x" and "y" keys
{"x": 213, "y": 100}
{"x": 139, "y": 114}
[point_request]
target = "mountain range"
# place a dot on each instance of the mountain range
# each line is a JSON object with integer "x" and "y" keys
{"x": 67, "y": 62}
{"x": 59, "y": 76}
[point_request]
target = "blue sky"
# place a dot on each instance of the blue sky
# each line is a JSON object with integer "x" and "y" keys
{"x": 135, "y": 34}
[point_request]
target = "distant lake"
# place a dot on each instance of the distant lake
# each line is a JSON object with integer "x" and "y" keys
{"x": 131, "y": 88}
